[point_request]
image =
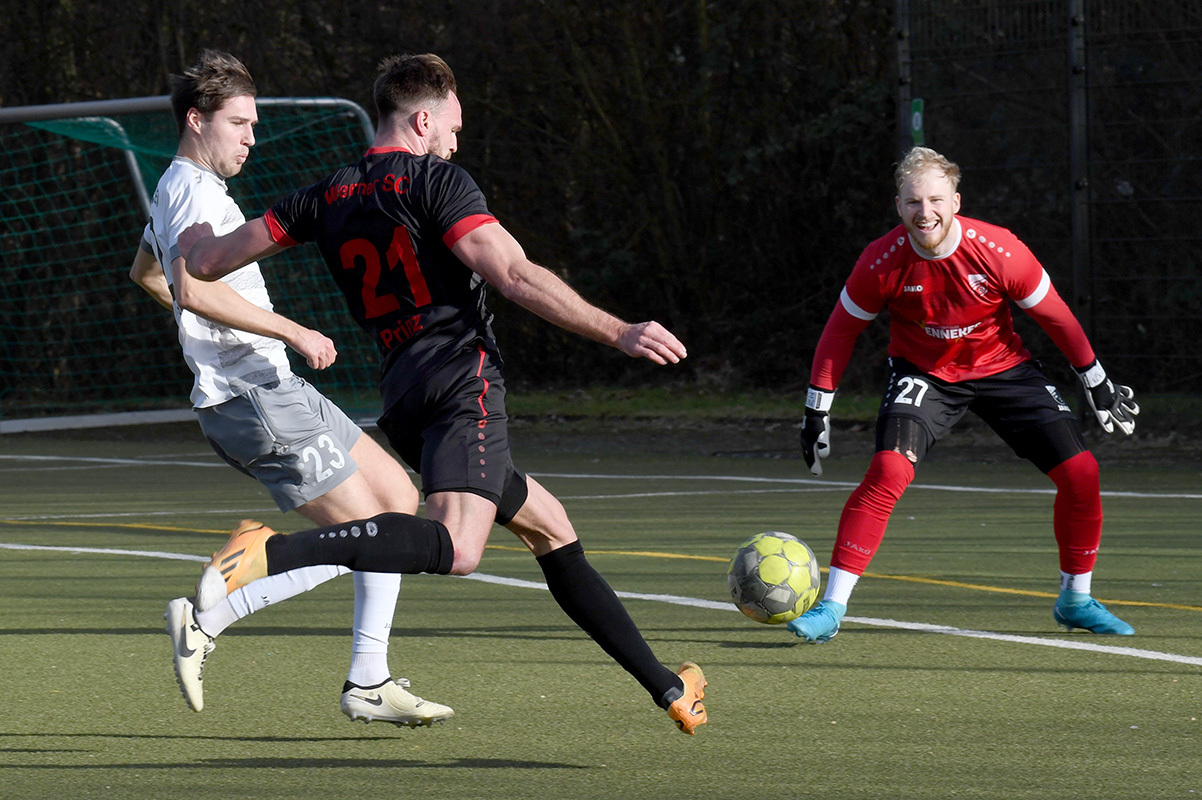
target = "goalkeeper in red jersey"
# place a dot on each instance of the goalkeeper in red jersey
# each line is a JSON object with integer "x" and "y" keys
{"x": 947, "y": 282}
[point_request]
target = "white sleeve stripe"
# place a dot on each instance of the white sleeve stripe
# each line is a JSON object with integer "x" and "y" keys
{"x": 850, "y": 306}
{"x": 1040, "y": 292}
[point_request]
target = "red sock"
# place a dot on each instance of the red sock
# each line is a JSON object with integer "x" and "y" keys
{"x": 1077, "y": 513}
{"x": 867, "y": 511}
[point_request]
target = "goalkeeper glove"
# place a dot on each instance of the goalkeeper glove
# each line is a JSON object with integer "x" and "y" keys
{"x": 1112, "y": 403}
{"x": 816, "y": 428}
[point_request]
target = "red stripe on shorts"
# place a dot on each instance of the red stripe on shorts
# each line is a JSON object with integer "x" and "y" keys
{"x": 480, "y": 398}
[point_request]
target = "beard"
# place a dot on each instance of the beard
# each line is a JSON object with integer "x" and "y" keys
{"x": 933, "y": 239}
{"x": 435, "y": 147}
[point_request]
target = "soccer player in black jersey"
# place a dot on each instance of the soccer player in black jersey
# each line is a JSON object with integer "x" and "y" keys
{"x": 410, "y": 242}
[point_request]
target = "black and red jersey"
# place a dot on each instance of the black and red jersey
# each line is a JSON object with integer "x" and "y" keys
{"x": 385, "y": 227}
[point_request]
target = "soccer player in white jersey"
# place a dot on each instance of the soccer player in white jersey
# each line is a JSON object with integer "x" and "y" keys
{"x": 257, "y": 415}
{"x": 948, "y": 282}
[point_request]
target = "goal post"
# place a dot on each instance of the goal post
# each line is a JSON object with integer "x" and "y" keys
{"x": 78, "y": 340}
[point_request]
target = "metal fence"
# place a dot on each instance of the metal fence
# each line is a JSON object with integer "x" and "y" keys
{"x": 1078, "y": 125}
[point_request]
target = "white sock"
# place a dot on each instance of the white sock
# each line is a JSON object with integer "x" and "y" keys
{"x": 375, "y": 605}
{"x": 264, "y": 592}
{"x": 369, "y": 669}
{"x": 839, "y": 584}
{"x": 1068, "y": 583}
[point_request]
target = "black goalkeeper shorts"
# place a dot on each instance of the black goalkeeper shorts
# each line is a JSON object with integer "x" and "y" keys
{"x": 1021, "y": 405}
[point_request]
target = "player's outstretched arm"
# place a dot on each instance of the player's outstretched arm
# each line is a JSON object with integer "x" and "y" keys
{"x": 1113, "y": 404}
{"x": 492, "y": 253}
{"x": 217, "y": 302}
{"x": 211, "y": 257}
{"x": 147, "y": 273}
{"x": 831, "y": 357}
{"x": 652, "y": 341}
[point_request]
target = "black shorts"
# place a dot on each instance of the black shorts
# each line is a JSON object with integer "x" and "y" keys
{"x": 1021, "y": 405}
{"x": 452, "y": 429}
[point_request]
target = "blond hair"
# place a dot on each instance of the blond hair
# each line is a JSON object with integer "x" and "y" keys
{"x": 921, "y": 159}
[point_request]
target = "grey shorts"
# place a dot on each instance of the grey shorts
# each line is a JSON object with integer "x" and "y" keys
{"x": 287, "y": 436}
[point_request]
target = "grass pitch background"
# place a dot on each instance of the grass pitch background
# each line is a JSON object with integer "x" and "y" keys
{"x": 91, "y": 708}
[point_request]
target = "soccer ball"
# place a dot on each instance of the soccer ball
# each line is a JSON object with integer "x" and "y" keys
{"x": 773, "y": 577}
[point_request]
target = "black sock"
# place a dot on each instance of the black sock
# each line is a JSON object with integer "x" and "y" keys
{"x": 387, "y": 542}
{"x": 592, "y": 604}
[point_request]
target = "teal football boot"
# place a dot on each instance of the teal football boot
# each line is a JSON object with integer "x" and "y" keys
{"x": 820, "y": 623}
{"x": 1079, "y": 610}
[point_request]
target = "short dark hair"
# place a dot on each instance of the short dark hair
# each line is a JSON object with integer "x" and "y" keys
{"x": 406, "y": 81}
{"x": 206, "y": 86}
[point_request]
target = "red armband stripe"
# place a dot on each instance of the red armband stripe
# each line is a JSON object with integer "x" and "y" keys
{"x": 466, "y": 226}
{"x": 277, "y": 232}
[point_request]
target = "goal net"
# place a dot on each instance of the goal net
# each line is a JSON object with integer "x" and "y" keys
{"x": 77, "y": 337}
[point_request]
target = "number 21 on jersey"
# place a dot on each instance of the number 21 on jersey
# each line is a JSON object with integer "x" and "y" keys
{"x": 400, "y": 251}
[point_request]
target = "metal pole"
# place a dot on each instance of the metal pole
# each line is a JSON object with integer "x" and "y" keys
{"x": 102, "y": 111}
{"x": 95, "y": 108}
{"x": 1078, "y": 116}
{"x": 132, "y": 105}
{"x": 904, "y": 87}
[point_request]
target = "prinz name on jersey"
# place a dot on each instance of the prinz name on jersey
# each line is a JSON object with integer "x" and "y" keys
{"x": 389, "y": 183}
{"x": 950, "y": 332}
{"x": 404, "y": 330}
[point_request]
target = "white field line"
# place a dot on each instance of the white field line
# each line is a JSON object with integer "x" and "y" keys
{"x": 693, "y": 602}
{"x": 225, "y": 512}
{"x": 23, "y": 463}
{"x": 107, "y": 551}
{"x": 851, "y": 485}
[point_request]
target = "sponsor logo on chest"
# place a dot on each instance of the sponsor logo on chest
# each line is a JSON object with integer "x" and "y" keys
{"x": 950, "y": 331}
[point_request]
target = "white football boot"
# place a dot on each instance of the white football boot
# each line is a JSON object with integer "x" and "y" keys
{"x": 191, "y": 647}
{"x": 389, "y": 702}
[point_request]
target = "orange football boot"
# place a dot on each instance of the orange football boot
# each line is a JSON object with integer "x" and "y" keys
{"x": 244, "y": 557}
{"x": 687, "y": 712}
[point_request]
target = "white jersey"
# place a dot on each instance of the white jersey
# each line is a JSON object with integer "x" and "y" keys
{"x": 226, "y": 362}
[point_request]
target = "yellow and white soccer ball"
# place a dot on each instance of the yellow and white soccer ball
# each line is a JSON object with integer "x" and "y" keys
{"x": 773, "y": 577}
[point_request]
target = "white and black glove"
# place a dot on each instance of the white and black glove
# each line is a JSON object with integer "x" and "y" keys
{"x": 816, "y": 428}
{"x": 1112, "y": 403}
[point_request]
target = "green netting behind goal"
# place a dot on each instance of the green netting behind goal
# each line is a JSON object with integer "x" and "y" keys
{"x": 76, "y": 335}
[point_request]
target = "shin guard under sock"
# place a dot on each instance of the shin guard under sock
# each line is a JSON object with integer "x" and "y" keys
{"x": 1077, "y": 512}
{"x": 387, "y": 542}
{"x": 867, "y": 511}
{"x": 590, "y": 602}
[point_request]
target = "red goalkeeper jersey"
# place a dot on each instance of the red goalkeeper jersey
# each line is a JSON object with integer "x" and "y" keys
{"x": 949, "y": 316}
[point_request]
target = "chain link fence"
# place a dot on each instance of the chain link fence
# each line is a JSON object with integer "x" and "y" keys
{"x": 1078, "y": 125}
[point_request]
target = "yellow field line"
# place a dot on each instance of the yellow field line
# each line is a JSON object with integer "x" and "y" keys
{"x": 658, "y": 554}
{"x": 646, "y": 553}
{"x": 133, "y": 525}
{"x": 907, "y": 578}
